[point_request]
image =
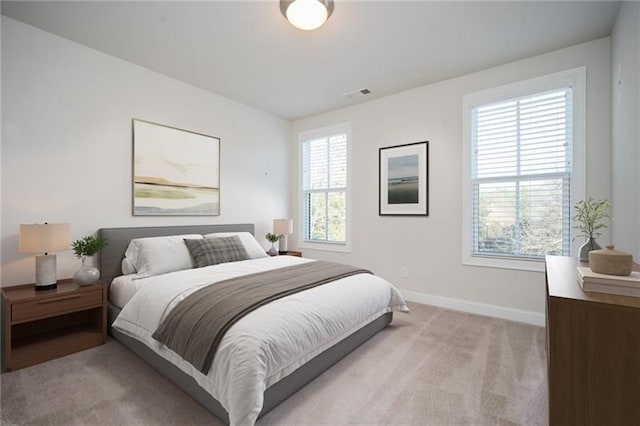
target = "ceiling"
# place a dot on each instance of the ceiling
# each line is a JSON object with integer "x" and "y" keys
{"x": 246, "y": 51}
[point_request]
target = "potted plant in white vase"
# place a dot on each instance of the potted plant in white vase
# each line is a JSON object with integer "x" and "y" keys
{"x": 590, "y": 216}
{"x": 84, "y": 248}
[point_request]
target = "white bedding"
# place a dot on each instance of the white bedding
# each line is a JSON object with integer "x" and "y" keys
{"x": 123, "y": 288}
{"x": 269, "y": 343}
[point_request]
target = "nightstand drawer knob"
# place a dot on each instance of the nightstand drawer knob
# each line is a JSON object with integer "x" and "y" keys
{"x": 58, "y": 299}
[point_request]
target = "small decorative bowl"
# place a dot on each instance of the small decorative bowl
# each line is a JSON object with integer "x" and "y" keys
{"x": 611, "y": 262}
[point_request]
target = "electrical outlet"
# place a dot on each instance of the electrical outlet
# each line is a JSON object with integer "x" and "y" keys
{"x": 404, "y": 272}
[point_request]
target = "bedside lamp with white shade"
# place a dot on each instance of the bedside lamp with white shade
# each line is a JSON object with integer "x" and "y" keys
{"x": 282, "y": 227}
{"x": 42, "y": 239}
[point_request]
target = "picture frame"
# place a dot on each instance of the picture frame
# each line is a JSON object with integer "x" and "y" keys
{"x": 403, "y": 180}
{"x": 176, "y": 172}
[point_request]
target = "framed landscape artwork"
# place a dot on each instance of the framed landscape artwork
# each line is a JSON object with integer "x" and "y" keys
{"x": 175, "y": 172}
{"x": 404, "y": 180}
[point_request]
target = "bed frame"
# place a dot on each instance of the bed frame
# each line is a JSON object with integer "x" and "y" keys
{"x": 110, "y": 259}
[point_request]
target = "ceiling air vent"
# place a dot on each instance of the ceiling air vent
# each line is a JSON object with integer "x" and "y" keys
{"x": 357, "y": 93}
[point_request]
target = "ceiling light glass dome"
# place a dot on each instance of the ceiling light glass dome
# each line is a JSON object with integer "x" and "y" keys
{"x": 306, "y": 15}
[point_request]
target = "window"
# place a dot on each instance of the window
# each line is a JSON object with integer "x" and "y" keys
{"x": 324, "y": 182}
{"x": 521, "y": 172}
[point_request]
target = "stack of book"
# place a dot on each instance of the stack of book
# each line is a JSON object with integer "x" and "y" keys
{"x": 628, "y": 285}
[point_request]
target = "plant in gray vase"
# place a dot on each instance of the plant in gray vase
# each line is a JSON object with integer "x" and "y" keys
{"x": 84, "y": 248}
{"x": 272, "y": 238}
{"x": 590, "y": 216}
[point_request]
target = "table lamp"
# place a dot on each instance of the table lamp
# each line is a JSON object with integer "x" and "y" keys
{"x": 282, "y": 227}
{"x": 41, "y": 239}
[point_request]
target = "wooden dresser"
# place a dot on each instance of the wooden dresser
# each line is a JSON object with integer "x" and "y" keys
{"x": 593, "y": 351}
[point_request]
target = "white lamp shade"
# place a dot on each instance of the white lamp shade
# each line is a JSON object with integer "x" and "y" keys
{"x": 282, "y": 226}
{"x": 45, "y": 237}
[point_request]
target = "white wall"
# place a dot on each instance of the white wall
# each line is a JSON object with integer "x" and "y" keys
{"x": 66, "y": 144}
{"x": 625, "y": 129}
{"x": 431, "y": 247}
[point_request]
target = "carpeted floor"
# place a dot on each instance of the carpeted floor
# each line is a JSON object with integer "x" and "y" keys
{"x": 431, "y": 367}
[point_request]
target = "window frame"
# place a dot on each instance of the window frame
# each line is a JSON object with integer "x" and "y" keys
{"x": 324, "y": 132}
{"x": 576, "y": 78}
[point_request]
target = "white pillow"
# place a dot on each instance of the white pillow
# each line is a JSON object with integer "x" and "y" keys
{"x": 251, "y": 245}
{"x": 159, "y": 255}
{"x": 128, "y": 267}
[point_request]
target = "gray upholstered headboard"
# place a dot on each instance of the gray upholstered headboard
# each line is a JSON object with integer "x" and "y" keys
{"x": 110, "y": 257}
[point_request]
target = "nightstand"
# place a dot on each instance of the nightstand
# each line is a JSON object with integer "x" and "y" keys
{"x": 42, "y": 325}
{"x": 291, "y": 253}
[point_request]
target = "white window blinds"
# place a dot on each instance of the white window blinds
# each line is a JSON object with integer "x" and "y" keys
{"x": 521, "y": 176}
{"x": 324, "y": 188}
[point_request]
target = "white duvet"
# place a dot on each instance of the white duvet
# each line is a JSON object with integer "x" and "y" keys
{"x": 269, "y": 343}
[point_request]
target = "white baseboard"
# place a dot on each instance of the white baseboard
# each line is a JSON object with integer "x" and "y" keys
{"x": 511, "y": 314}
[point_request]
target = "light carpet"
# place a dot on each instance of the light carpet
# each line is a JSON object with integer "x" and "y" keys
{"x": 431, "y": 367}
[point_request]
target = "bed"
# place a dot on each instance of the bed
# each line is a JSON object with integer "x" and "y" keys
{"x": 130, "y": 325}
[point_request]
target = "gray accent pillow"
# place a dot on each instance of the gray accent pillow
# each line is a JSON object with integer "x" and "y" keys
{"x": 212, "y": 251}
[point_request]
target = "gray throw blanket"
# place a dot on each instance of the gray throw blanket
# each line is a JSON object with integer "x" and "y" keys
{"x": 195, "y": 327}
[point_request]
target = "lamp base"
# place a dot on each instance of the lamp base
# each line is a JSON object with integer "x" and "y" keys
{"x": 46, "y": 272}
{"x": 46, "y": 287}
{"x": 282, "y": 246}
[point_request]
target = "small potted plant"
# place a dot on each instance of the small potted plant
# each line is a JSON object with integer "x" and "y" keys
{"x": 272, "y": 238}
{"x": 84, "y": 248}
{"x": 590, "y": 216}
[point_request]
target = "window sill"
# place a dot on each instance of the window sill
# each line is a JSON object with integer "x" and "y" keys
{"x": 340, "y": 248}
{"x": 492, "y": 262}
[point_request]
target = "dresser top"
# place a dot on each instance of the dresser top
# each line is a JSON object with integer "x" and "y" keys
{"x": 562, "y": 282}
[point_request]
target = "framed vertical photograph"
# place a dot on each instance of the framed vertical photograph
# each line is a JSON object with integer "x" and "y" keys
{"x": 404, "y": 180}
{"x": 175, "y": 172}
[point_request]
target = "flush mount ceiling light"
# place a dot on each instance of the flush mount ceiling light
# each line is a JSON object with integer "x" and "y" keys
{"x": 306, "y": 14}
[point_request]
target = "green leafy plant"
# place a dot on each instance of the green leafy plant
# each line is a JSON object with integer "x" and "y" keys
{"x": 272, "y": 237}
{"x": 88, "y": 246}
{"x": 590, "y": 216}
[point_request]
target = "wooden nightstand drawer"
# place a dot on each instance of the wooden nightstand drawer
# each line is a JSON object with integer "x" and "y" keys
{"x": 54, "y": 305}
